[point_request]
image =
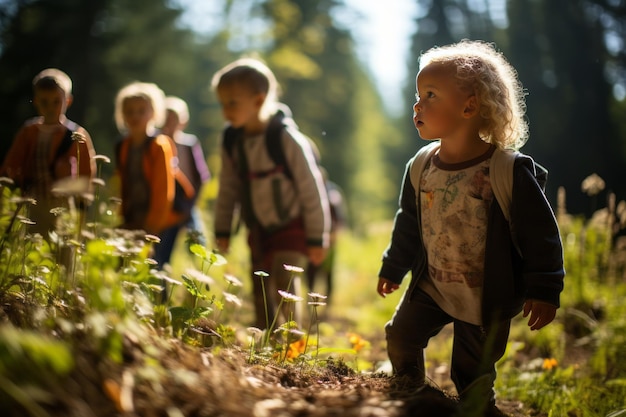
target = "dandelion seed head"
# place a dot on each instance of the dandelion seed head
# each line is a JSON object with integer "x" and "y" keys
{"x": 233, "y": 280}
{"x": 317, "y": 296}
{"x": 23, "y": 200}
{"x": 102, "y": 158}
{"x": 75, "y": 243}
{"x": 593, "y": 184}
{"x": 292, "y": 268}
{"x": 98, "y": 181}
{"x": 255, "y": 331}
{"x": 153, "y": 238}
{"x": 71, "y": 186}
{"x": 289, "y": 297}
{"x": 162, "y": 275}
{"x": 200, "y": 277}
{"x": 232, "y": 298}
{"x": 316, "y": 303}
{"x": 79, "y": 137}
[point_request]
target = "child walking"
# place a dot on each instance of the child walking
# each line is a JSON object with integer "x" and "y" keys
{"x": 287, "y": 217}
{"x": 453, "y": 235}
{"x": 44, "y": 149}
{"x": 145, "y": 161}
{"x": 192, "y": 163}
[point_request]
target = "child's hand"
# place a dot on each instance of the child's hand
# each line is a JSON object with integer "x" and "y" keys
{"x": 386, "y": 287}
{"x": 541, "y": 313}
{"x": 316, "y": 254}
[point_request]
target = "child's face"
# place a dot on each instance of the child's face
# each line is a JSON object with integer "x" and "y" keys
{"x": 240, "y": 106}
{"x": 50, "y": 104}
{"x": 137, "y": 113}
{"x": 441, "y": 104}
{"x": 172, "y": 123}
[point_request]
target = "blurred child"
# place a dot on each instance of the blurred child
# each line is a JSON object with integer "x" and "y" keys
{"x": 145, "y": 160}
{"x": 45, "y": 150}
{"x": 454, "y": 236}
{"x": 287, "y": 217}
{"x": 192, "y": 163}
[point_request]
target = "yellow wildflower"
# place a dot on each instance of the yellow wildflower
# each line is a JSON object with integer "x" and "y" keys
{"x": 549, "y": 364}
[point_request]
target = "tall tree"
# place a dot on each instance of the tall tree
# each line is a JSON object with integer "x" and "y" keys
{"x": 563, "y": 64}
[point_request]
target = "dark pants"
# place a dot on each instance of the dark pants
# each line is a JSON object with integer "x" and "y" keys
{"x": 475, "y": 349}
{"x": 163, "y": 251}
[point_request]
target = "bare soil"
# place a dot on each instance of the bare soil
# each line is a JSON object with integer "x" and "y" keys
{"x": 169, "y": 378}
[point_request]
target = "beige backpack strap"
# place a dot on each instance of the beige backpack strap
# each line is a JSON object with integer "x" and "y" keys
{"x": 501, "y": 177}
{"x": 419, "y": 161}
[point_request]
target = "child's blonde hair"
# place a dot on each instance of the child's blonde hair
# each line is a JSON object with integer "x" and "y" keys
{"x": 480, "y": 68}
{"x": 53, "y": 77}
{"x": 253, "y": 75}
{"x": 178, "y": 106}
{"x": 147, "y": 91}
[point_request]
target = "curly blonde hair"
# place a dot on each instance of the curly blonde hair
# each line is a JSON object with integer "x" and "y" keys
{"x": 148, "y": 91}
{"x": 480, "y": 68}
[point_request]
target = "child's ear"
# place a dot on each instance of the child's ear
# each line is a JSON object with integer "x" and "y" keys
{"x": 260, "y": 99}
{"x": 471, "y": 106}
{"x": 69, "y": 99}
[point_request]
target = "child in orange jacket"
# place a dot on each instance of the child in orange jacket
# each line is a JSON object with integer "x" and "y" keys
{"x": 145, "y": 160}
{"x": 49, "y": 148}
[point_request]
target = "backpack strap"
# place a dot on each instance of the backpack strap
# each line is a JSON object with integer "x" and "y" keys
{"x": 419, "y": 161}
{"x": 273, "y": 136}
{"x": 64, "y": 146}
{"x": 229, "y": 138}
{"x": 501, "y": 176}
{"x": 273, "y": 141}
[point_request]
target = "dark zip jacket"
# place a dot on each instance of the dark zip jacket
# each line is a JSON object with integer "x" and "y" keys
{"x": 511, "y": 277}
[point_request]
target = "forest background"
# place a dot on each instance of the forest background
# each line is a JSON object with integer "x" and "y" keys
{"x": 570, "y": 55}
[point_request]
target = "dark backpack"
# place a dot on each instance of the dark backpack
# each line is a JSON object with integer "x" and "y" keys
{"x": 280, "y": 120}
{"x": 184, "y": 192}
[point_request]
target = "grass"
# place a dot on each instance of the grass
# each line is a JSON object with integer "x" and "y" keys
{"x": 109, "y": 292}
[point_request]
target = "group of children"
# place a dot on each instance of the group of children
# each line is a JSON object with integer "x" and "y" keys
{"x": 50, "y": 148}
{"x": 476, "y": 261}
{"x": 160, "y": 170}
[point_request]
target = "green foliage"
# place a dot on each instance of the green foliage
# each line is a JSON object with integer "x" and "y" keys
{"x": 30, "y": 361}
{"x": 562, "y": 392}
{"x": 28, "y": 352}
